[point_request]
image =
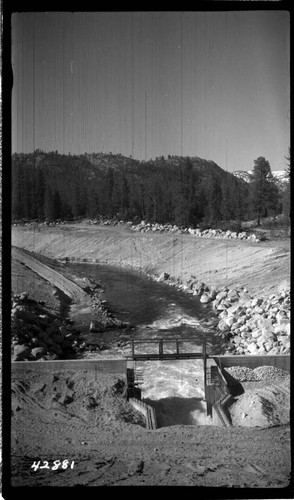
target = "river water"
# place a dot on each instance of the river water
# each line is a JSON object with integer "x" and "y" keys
{"x": 158, "y": 311}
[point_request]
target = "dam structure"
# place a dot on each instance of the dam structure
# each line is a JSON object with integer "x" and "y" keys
{"x": 216, "y": 391}
{"x": 217, "y": 396}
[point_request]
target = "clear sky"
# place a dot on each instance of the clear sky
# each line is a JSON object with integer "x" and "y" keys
{"x": 209, "y": 84}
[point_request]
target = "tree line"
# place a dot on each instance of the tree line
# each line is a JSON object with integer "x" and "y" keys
{"x": 186, "y": 191}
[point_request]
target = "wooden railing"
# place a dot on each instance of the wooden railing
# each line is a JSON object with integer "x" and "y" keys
{"x": 162, "y": 353}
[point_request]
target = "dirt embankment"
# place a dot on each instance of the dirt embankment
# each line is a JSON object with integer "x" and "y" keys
{"x": 75, "y": 293}
{"x": 260, "y": 267}
{"x": 83, "y": 417}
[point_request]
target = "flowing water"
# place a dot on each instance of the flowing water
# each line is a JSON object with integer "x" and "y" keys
{"x": 158, "y": 311}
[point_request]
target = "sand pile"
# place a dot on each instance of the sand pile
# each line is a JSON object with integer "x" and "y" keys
{"x": 266, "y": 400}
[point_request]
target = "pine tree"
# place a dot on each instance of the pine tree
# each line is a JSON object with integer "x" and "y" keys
{"x": 264, "y": 192}
{"x": 49, "y": 204}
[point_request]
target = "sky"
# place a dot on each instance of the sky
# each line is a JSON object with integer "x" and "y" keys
{"x": 145, "y": 84}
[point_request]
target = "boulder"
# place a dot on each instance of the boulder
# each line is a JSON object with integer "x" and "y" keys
{"x": 255, "y": 333}
{"x": 284, "y": 324}
{"x": 268, "y": 345}
{"x": 256, "y": 302}
{"x": 38, "y": 352}
{"x": 230, "y": 320}
{"x": 227, "y": 303}
{"x": 259, "y": 310}
{"x": 163, "y": 277}
{"x": 222, "y": 326}
{"x": 252, "y": 348}
{"x": 233, "y": 294}
{"x": 96, "y": 327}
{"x": 212, "y": 294}
{"x": 21, "y": 351}
{"x": 221, "y": 295}
{"x": 223, "y": 315}
{"x": 52, "y": 356}
{"x": 261, "y": 340}
{"x": 204, "y": 299}
{"x": 234, "y": 308}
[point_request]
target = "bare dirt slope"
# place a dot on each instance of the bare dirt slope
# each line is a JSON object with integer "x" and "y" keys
{"x": 85, "y": 419}
{"x": 258, "y": 266}
{"x": 55, "y": 279}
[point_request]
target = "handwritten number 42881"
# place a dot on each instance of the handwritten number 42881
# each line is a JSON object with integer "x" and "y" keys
{"x": 56, "y": 465}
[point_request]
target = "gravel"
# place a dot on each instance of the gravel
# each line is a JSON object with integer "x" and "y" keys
{"x": 261, "y": 373}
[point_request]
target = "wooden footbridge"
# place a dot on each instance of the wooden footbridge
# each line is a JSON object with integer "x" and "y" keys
{"x": 167, "y": 349}
{"x": 164, "y": 349}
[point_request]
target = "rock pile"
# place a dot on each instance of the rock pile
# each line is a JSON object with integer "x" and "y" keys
{"x": 247, "y": 325}
{"x": 254, "y": 325}
{"x": 145, "y": 227}
{"x": 267, "y": 373}
{"x": 106, "y": 318}
{"x": 38, "y": 335}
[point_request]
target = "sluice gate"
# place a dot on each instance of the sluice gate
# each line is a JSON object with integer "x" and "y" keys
{"x": 217, "y": 394}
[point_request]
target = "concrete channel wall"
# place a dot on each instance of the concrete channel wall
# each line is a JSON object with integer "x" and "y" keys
{"x": 100, "y": 365}
{"x": 148, "y": 412}
{"x": 220, "y": 411}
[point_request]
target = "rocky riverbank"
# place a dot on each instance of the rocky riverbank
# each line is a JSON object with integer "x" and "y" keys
{"x": 247, "y": 324}
{"x": 38, "y": 334}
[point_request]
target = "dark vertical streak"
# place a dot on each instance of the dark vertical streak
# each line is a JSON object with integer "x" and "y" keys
{"x": 181, "y": 69}
{"x": 63, "y": 88}
{"x": 145, "y": 125}
{"x": 22, "y": 100}
{"x": 132, "y": 81}
{"x": 140, "y": 77}
{"x": 33, "y": 85}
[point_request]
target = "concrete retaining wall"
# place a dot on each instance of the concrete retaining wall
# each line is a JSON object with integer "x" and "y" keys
{"x": 220, "y": 414}
{"x": 146, "y": 410}
{"x": 105, "y": 365}
{"x": 279, "y": 361}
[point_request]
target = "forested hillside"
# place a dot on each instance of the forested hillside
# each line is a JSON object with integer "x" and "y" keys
{"x": 185, "y": 191}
